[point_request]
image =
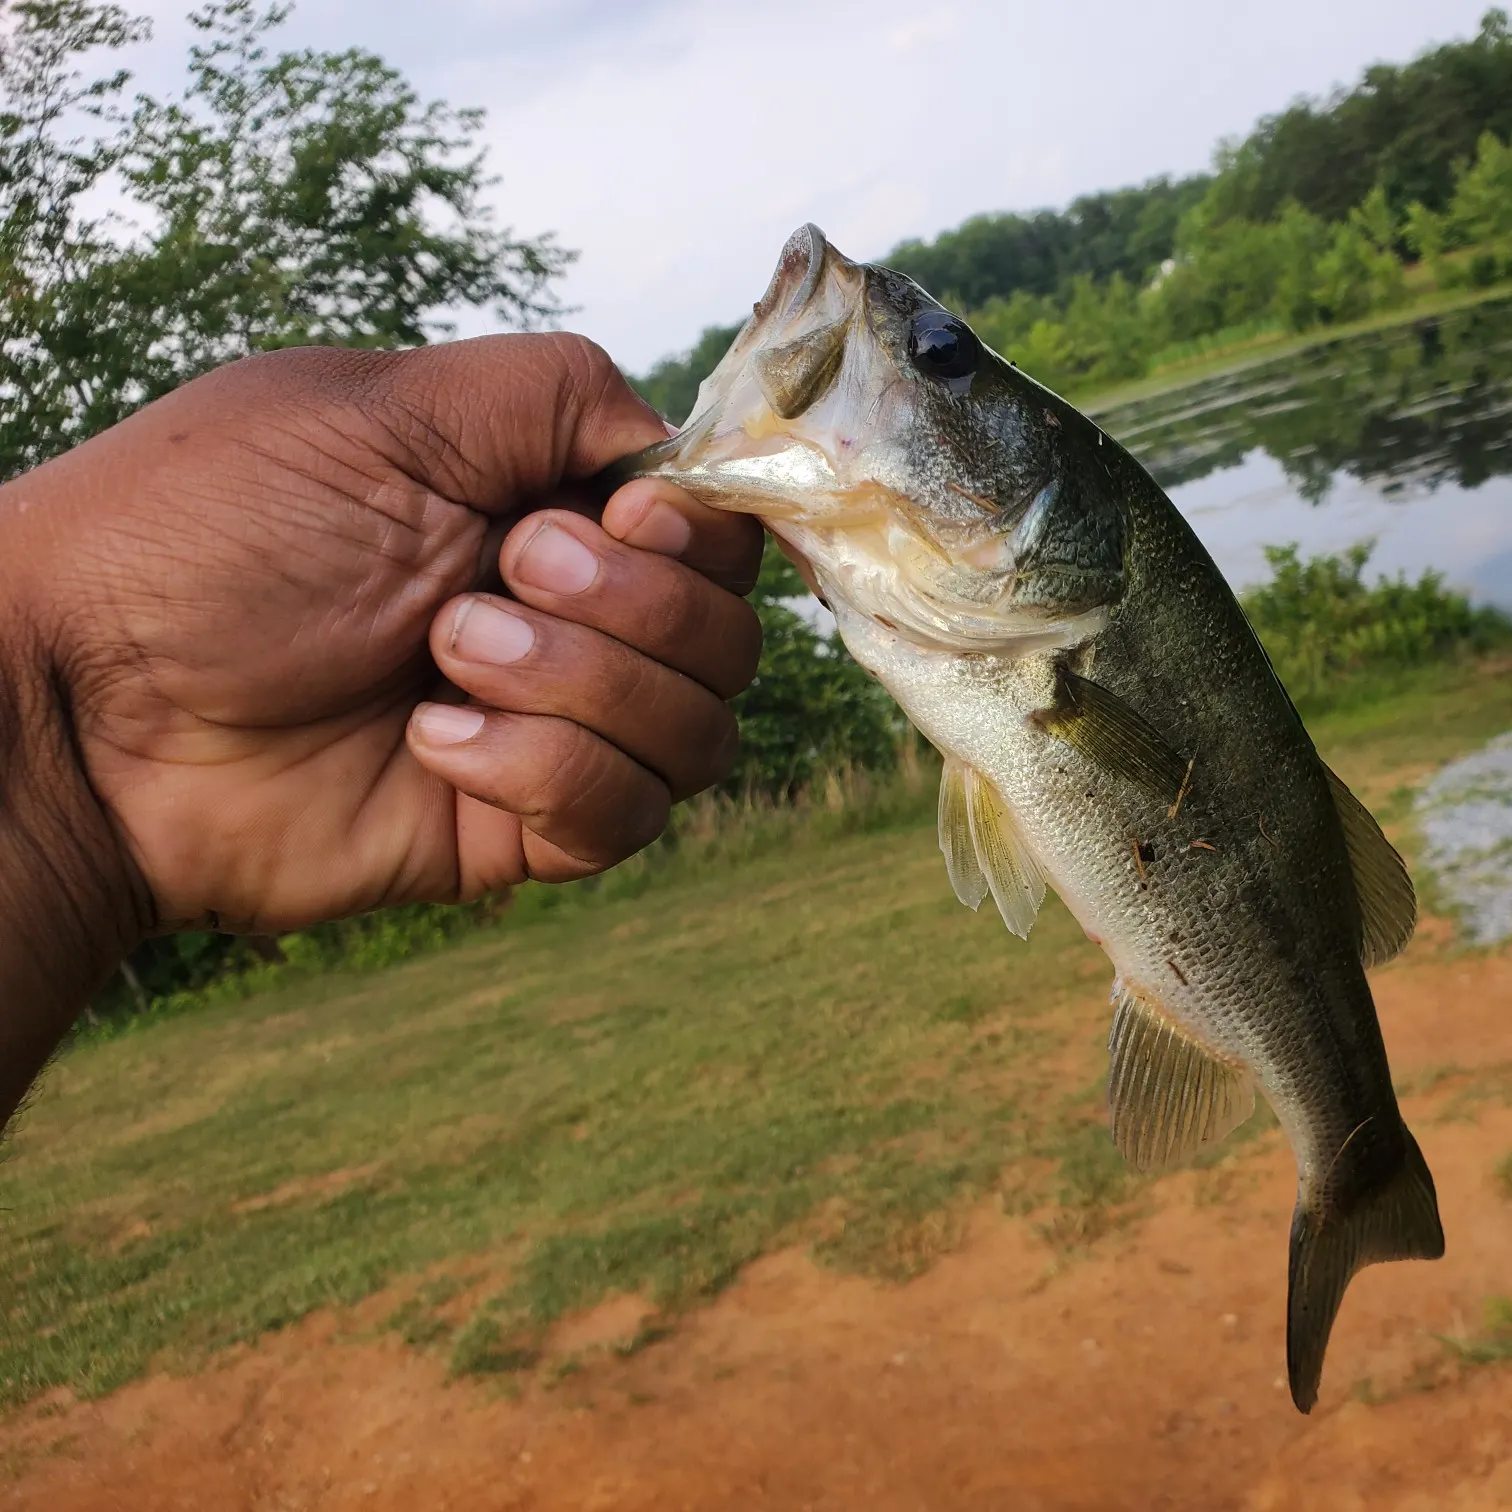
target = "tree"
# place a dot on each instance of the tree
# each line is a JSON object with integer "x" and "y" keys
{"x": 672, "y": 385}
{"x": 1403, "y": 126}
{"x": 280, "y": 199}
{"x": 810, "y": 706}
{"x": 62, "y": 320}
{"x": 1481, "y": 210}
{"x": 1129, "y": 232}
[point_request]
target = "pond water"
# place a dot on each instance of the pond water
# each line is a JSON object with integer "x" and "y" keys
{"x": 1402, "y": 437}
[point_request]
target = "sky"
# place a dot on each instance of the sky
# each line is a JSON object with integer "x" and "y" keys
{"x": 677, "y": 143}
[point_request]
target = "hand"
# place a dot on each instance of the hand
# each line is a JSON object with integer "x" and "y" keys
{"x": 243, "y": 593}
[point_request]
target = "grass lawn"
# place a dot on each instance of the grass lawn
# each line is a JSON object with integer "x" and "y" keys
{"x": 818, "y": 1046}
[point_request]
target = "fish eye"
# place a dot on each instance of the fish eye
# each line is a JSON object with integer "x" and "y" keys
{"x": 942, "y": 346}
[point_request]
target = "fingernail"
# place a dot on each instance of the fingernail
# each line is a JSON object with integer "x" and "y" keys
{"x": 483, "y": 632}
{"x": 663, "y": 530}
{"x": 446, "y": 724}
{"x": 557, "y": 561}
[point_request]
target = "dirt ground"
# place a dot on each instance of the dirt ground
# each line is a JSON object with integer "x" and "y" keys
{"x": 1144, "y": 1374}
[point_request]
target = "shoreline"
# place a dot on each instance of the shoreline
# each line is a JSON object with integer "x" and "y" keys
{"x": 1257, "y": 350}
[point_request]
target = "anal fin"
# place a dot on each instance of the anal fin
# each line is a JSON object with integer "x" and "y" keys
{"x": 1168, "y": 1095}
{"x": 1388, "y": 905}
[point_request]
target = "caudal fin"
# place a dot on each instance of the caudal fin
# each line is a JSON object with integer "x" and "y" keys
{"x": 1398, "y": 1220}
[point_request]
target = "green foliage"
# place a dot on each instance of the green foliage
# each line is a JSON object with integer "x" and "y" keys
{"x": 1328, "y": 632}
{"x": 65, "y": 316}
{"x": 1493, "y": 1343}
{"x": 1359, "y": 273}
{"x": 810, "y": 706}
{"x": 1503, "y": 1174}
{"x": 1231, "y": 281}
{"x": 1481, "y": 210}
{"x": 279, "y": 199}
{"x": 672, "y": 385}
{"x": 1403, "y": 126}
{"x": 1125, "y": 232}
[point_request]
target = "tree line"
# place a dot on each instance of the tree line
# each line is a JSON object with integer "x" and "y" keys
{"x": 1292, "y": 227}
{"x": 1232, "y": 278}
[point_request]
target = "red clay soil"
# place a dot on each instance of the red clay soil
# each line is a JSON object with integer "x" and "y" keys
{"x": 1145, "y": 1375}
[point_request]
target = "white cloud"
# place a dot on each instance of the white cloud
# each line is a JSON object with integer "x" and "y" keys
{"x": 937, "y": 25}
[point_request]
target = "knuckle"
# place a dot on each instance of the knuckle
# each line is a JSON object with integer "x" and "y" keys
{"x": 586, "y": 371}
{"x": 581, "y": 358}
{"x": 579, "y": 765}
{"x": 684, "y": 614}
{"x": 622, "y": 807}
{"x": 556, "y": 761}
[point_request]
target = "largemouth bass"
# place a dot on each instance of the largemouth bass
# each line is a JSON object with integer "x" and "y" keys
{"x": 1109, "y": 725}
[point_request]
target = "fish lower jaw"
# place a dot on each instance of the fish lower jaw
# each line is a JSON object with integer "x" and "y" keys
{"x": 885, "y": 598}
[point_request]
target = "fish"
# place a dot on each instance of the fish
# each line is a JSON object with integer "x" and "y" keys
{"x": 1109, "y": 725}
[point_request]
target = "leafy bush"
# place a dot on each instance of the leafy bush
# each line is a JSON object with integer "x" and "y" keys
{"x": 1330, "y": 634}
{"x": 810, "y": 708}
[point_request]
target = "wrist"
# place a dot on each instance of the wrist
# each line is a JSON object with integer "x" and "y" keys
{"x": 68, "y": 911}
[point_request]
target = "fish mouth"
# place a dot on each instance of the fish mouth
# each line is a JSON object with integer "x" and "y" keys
{"x": 803, "y": 423}
{"x": 755, "y": 443}
{"x": 795, "y": 281}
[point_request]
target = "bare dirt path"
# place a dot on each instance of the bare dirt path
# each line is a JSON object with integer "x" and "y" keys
{"x": 1145, "y": 1374}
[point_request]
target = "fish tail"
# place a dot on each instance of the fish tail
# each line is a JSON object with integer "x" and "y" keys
{"x": 1389, "y": 1217}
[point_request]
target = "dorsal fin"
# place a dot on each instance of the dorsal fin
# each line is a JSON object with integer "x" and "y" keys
{"x": 1388, "y": 906}
{"x": 966, "y": 875}
{"x": 1017, "y": 883}
{"x": 1168, "y": 1095}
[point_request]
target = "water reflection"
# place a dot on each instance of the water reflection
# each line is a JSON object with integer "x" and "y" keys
{"x": 1403, "y": 436}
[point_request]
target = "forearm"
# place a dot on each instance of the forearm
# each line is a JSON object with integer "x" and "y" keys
{"x": 66, "y": 919}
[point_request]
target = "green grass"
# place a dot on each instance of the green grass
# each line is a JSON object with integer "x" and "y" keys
{"x": 635, "y": 1094}
{"x": 613, "y": 1098}
{"x": 1493, "y": 1343}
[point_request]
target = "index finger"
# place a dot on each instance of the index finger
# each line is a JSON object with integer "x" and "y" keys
{"x": 498, "y": 420}
{"x": 655, "y": 515}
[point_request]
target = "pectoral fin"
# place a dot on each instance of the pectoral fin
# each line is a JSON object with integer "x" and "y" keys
{"x": 1168, "y": 1095}
{"x": 1388, "y": 905}
{"x": 1106, "y": 730}
{"x": 966, "y": 875}
{"x": 997, "y": 857}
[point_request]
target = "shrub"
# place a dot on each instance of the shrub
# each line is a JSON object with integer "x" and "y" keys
{"x": 1329, "y": 633}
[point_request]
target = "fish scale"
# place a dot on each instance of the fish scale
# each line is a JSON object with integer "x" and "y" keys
{"x": 1109, "y": 723}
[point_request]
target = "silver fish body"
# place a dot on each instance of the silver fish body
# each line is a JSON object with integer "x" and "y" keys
{"x": 1109, "y": 723}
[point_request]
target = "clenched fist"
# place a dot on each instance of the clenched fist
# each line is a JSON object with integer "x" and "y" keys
{"x": 328, "y": 630}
